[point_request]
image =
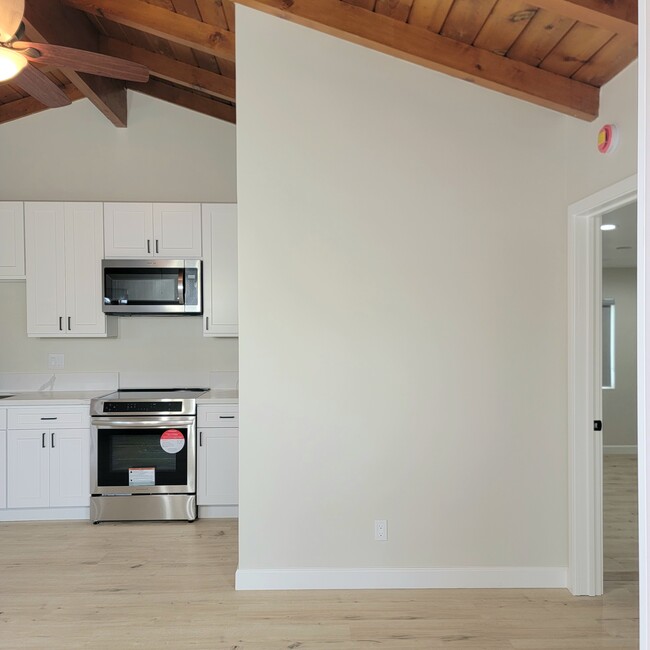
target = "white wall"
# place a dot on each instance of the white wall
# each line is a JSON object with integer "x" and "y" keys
{"x": 403, "y": 313}
{"x": 143, "y": 344}
{"x": 74, "y": 153}
{"x": 587, "y": 170}
{"x": 619, "y": 403}
{"x": 167, "y": 153}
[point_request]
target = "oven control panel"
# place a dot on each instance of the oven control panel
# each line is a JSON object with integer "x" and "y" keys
{"x": 142, "y": 407}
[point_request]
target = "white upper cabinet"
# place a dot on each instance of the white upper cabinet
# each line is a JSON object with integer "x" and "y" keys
{"x": 84, "y": 249}
{"x": 167, "y": 230}
{"x": 128, "y": 229}
{"x": 64, "y": 244}
{"x": 220, "y": 303}
{"x": 12, "y": 240}
{"x": 45, "y": 241}
{"x": 177, "y": 230}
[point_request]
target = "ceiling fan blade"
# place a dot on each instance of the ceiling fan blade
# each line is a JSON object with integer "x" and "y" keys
{"x": 82, "y": 61}
{"x": 11, "y": 13}
{"x": 35, "y": 83}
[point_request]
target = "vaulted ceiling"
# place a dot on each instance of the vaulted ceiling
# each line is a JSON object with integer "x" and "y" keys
{"x": 555, "y": 53}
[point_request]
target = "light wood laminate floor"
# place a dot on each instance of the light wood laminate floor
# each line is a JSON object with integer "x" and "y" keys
{"x": 68, "y": 585}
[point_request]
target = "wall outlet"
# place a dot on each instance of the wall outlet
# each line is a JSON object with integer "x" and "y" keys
{"x": 55, "y": 361}
{"x": 381, "y": 530}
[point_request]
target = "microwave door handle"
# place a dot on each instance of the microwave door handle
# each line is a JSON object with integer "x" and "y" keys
{"x": 181, "y": 287}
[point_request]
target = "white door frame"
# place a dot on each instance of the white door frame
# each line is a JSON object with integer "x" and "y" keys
{"x": 585, "y": 444}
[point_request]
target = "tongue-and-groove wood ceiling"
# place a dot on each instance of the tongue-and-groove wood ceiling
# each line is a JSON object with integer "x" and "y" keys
{"x": 555, "y": 53}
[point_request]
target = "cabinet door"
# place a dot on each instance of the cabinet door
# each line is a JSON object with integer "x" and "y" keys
{"x": 69, "y": 467}
{"x": 45, "y": 286}
{"x": 177, "y": 230}
{"x": 217, "y": 471}
{"x": 3, "y": 469}
{"x": 12, "y": 240}
{"x": 28, "y": 476}
{"x": 128, "y": 230}
{"x": 84, "y": 249}
{"x": 220, "y": 306}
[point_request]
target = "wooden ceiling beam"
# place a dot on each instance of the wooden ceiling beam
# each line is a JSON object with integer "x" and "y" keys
{"x": 425, "y": 48}
{"x": 187, "y": 99}
{"x": 619, "y": 16}
{"x": 48, "y": 21}
{"x": 163, "y": 23}
{"x": 168, "y": 69}
{"x": 28, "y": 106}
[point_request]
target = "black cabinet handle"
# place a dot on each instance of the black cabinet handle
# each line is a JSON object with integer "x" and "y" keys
{"x": 53, "y": 440}
{"x": 200, "y": 438}
{"x": 148, "y": 245}
{"x": 156, "y": 246}
{"x": 43, "y": 440}
{"x": 61, "y": 323}
{"x": 226, "y": 417}
{"x": 207, "y": 320}
{"x": 49, "y": 418}
{"x": 69, "y": 324}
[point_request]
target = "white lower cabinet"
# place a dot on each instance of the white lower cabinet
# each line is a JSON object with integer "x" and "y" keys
{"x": 47, "y": 467}
{"x": 218, "y": 456}
{"x": 3, "y": 458}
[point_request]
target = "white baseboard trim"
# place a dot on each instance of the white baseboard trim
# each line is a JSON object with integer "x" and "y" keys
{"x": 453, "y": 578}
{"x": 218, "y": 512}
{"x": 45, "y": 514}
{"x": 628, "y": 450}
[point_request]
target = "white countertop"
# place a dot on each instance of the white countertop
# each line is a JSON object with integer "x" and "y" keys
{"x": 219, "y": 396}
{"x": 83, "y": 397}
{"x": 53, "y": 397}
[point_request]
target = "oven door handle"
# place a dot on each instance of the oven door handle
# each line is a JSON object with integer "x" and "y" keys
{"x": 140, "y": 423}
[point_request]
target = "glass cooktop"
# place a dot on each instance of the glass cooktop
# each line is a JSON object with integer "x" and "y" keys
{"x": 152, "y": 394}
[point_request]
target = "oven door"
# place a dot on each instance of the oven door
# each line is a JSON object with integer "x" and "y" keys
{"x": 148, "y": 455}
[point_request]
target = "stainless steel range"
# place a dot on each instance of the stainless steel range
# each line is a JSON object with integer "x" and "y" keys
{"x": 143, "y": 455}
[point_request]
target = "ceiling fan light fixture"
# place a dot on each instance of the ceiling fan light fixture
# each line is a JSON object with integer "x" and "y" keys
{"x": 11, "y": 63}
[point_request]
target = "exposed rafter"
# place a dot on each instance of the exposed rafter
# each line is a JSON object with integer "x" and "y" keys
{"x": 169, "y": 69}
{"x": 438, "y": 53}
{"x": 163, "y": 23}
{"x": 49, "y": 21}
{"x": 619, "y": 16}
{"x": 187, "y": 99}
{"x": 28, "y": 106}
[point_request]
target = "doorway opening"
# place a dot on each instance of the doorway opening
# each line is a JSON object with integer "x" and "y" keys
{"x": 585, "y": 384}
{"x": 619, "y": 397}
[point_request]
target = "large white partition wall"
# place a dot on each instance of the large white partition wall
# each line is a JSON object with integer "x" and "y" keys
{"x": 643, "y": 325}
{"x": 403, "y": 310}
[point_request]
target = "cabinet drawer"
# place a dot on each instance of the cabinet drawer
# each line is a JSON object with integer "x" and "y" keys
{"x": 73, "y": 417}
{"x": 226, "y": 415}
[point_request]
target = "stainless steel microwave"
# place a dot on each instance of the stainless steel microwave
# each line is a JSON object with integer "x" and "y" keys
{"x": 152, "y": 286}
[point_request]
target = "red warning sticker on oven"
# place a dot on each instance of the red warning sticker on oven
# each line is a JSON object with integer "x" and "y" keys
{"x": 172, "y": 441}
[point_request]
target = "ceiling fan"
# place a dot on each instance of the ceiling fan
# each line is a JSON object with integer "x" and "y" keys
{"x": 16, "y": 56}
